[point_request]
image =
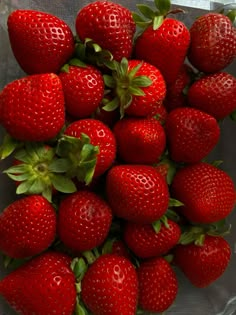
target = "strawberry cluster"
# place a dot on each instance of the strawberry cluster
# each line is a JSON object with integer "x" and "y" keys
{"x": 109, "y": 132}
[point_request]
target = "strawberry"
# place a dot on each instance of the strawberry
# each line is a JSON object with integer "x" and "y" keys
{"x": 206, "y": 191}
{"x": 145, "y": 242}
{"x": 127, "y": 184}
{"x": 83, "y": 89}
{"x": 110, "y": 286}
{"x": 44, "y": 285}
{"x": 114, "y": 27}
{"x": 158, "y": 286}
{"x": 139, "y": 140}
{"x": 203, "y": 264}
{"x": 214, "y": 94}
{"x": 191, "y": 134}
{"x": 213, "y": 42}
{"x": 84, "y": 220}
{"x": 41, "y": 42}
{"x": 33, "y": 107}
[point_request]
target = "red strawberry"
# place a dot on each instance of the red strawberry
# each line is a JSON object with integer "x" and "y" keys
{"x": 114, "y": 27}
{"x": 139, "y": 140}
{"x": 214, "y": 94}
{"x": 33, "y": 107}
{"x": 84, "y": 221}
{"x": 213, "y": 42}
{"x": 110, "y": 286}
{"x": 83, "y": 90}
{"x": 145, "y": 242}
{"x": 44, "y": 285}
{"x": 41, "y": 42}
{"x": 191, "y": 134}
{"x": 27, "y": 227}
{"x": 203, "y": 264}
{"x": 206, "y": 191}
{"x": 126, "y": 186}
{"x": 158, "y": 286}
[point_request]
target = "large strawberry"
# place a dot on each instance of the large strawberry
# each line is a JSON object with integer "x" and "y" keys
{"x": 191, "y": 134}
{"x": 213, "y": 42}
{"x": 206, "y": 191}
{"x": 110, "y": 286}
{"x": 126, "y": 186}
{"x": 44, "y": 285}
{"x": 32, "y": 107}
{"x": 108, "y": 24}
{"x": 41, "y": 42}
{"x": 203, "y": 264}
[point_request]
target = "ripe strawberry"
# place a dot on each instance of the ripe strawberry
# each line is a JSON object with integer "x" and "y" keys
{"x": 127, "y": 184}
{"x": 44, "y": 285}
{"x": 214, "y": 94}
{"x": 213, "y": 42}
{"x": 33, "y": 107}
{"x": 83, "y": 89}
{"x": 206, "y": 191}
{"x": 158, "y": 286}
{"x": 139, "y": 140}
{"x": 114, "y": 27}
{"x": 110, "y": 286}
{"x": 191, "y": 134}
{"x": 84, "y": 221}
{"x": 41, "y": 42}
{"x": 145, "y": 242}
{"x": 27, "y": 227}
{"x": 203, "y": 264}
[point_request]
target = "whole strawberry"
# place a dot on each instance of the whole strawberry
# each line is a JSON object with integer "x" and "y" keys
{"x": 206, "y": 191}
{"x": 32, "y": 107}
{"x": 44, "y": 285}
{"x": 110, "y": 286}
{"x": 126, "y": 186}
{"x": 203, "y": 264}
{"x": 158, "y": 286}
{"x": 114, "y": 27}
{"x": 41, "y": 42}
{"x": 191, "y": 134}
{"x": 84, "y": 221}
{"x": 213, "y": 42}
{"x": 214, "y": 94}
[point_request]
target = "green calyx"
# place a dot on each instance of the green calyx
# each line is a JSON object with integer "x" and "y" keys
{"x": 8, "y": 146}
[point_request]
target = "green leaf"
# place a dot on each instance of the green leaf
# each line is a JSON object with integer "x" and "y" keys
{"x": 16, "y": 169}
{"x": 163, "y": 6}
{"x": 158, "y": 20}
{"x": 60, "y": 165}
{"x": 232, "y": 15}
{"x": 156, "y": 226}
{"x": 137, "y": 18}
{"x": 8, "y": 146}
{"x": 63, "y": 184}
{"x": 112, "y": 105}
{"x": 136, "y": 91}
{"x": 24, "y": 187}
{"x": 142, "y": 81}
{"x": 109, "y": 81}
{"x": 175, "y": 203}
{"x": 77, "y": 62}
{"x": 37, "y": 187}
{"x": 146, "y": 11}
{"x": 233, "y": 116}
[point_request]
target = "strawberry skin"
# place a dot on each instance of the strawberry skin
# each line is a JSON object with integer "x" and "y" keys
{"x": 27, "y": 227}
{"x": 158, "y": 286}
{"x": 41, "y": 42}
{"x": 206, "y": 191}
{"x": 203, "y": 264}
{"x": 32, "y": 107}
{"x": 127, "y": 184}
{"x": 44, "y": 285}
{"x": 110, "y": 286}
{"x": 84, "y": 220}
{"x": 191, "y": 134}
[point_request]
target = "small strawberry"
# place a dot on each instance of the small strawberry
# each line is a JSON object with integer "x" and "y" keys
{"x": 203, "y": 264}
{"x": 84, "y": 221}
{"x": 44, "y": 285}
{"x": 139, "y": 140}
{"x": 127, "y": 184}
{"x": 206, "y": 191}
{"x": 110, "y": 286}
{"x": 214, "y": 94}
{"x": 32, "y": 107}
{"x": 108, "y": 24}
{"x": 213, "y": 42}
{"x": 41, "y": 42}
{"x": 191, "y": 134}
{"x": 158, "y": 286}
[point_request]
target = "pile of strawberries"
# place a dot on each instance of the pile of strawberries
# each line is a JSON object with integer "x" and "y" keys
{"x": 109, "y": 132}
